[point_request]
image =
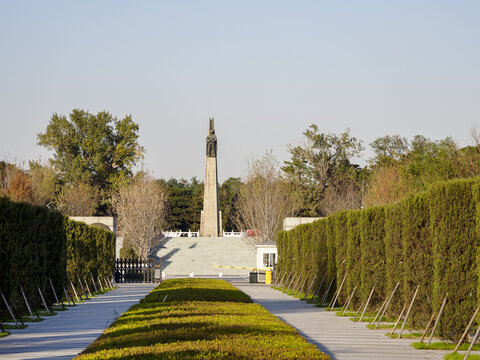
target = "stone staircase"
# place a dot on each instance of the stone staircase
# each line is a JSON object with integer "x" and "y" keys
{"x": 184, "y": 255}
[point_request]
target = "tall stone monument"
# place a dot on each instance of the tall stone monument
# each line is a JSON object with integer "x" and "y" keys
{"x": 211, "y": 218}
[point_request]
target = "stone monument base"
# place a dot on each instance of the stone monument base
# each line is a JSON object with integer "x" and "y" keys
{"x": 206, "y": 228}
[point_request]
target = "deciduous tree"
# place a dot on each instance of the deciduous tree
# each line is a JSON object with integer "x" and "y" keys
{"x": 44, "y": 183}
{"x": 98, "y": 149}
{"x": 323, "y": 160}
{"x": 265, "y": 199}
{"x": 141, "y": 213}
{"x": 78, "y": 199}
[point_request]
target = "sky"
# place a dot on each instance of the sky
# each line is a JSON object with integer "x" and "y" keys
{"x": 265, "y": 70}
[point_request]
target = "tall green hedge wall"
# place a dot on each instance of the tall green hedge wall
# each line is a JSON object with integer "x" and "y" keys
{"x": 429, "y": 240}
{"x": 37, "y": 244}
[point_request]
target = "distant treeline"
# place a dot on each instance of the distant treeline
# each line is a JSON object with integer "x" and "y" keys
{"x": 185, "y": 202}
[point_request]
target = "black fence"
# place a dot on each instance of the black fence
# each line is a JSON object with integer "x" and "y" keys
{"x": 137, "y": 270}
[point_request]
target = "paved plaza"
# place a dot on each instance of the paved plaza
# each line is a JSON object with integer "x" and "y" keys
{"x": 69, "y": 332}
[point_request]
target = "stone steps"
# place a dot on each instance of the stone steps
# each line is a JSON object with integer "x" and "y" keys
{"x": 183, "y": 255}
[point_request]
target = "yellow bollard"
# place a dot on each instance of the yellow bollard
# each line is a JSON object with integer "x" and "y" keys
{"x": 268, "y": 277}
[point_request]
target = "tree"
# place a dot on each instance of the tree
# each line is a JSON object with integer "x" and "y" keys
{"x": 227, "y": 200}
{"x": 185, "y": 201}
{"x": 265, "y": 199}
{"x": 44, "y": 183}
{"x": 15, "y": 182}
{"x": 100, "y": 149}
{"x": 344, "y": 195}
{"x": 430, "y": 161}
{"x": 386, "y": 186}
{"x": 141, "y": 213}
{"x": 388, "y": 149}
{"x": 323, "y": 160}
{"x": 78, "y": 199}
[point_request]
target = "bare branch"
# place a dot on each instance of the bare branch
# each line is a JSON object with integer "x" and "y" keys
{"x": 141, "y": 214}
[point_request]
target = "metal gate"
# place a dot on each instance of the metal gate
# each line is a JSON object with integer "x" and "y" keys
{"x": 137, "y": 271}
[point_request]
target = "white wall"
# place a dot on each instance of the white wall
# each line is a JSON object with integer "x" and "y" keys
{"x": 290, "y": 222}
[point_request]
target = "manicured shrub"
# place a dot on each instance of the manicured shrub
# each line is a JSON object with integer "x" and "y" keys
{"x": 340, "y": 230}
{"x": 455, "y": 247}
{"x": 321, "y": 258}
{"x": 394, "y": 256}
{"x": 430, "y": 240}
{"x": 417, "y": 256}
{"x": 372, "y": 245}
{"x": 354, "y": 257}
{"x": 32, "y": 250}
{"x": 89, "y": 249}
{"x": 476, "y": 199}
{"x": 331, "y": 252}
{"x": 38, "y": 244}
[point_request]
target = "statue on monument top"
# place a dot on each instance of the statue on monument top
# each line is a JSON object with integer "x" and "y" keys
{"x": 211, "y": 141}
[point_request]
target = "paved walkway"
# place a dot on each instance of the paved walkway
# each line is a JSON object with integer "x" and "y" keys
{"x": 69, "y": 332}
{"x": 337, "y": 336}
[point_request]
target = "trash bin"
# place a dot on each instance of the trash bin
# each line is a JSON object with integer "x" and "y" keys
{"x": 253, "y": 278}
{"x": 268, "y": 277}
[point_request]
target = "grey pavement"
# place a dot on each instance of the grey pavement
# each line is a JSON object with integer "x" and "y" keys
{"x": 336, "y": 336}
{"x": 69, "y": 332}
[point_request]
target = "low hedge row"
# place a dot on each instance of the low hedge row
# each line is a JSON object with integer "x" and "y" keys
{"x": 37, "y": 244}
{"x": 430, "y": 240}
{"x": 199, "y": 319}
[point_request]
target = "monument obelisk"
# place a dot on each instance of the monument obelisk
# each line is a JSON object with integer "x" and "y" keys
{"x": 211, "y": 218}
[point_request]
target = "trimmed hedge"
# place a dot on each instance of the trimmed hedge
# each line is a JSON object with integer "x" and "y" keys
{"x": 37, "y": 244}
{"x": 340, "y": 228}
{"x": 372, "y": 247}
{"x": 354, "y": 257}
{"x": 32, "y": 249}
{"x": 417, "y": 257}
{"x": 394, "y": 259}
{"x": 89, "y": 249}
{"x": 455, "y": 248}
{"x": 430, "y": 240}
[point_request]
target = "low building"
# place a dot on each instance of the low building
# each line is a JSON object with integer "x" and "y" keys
{"x": 266, "y": 254}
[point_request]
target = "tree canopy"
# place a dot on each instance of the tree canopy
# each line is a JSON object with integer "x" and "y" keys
{"x": 323, "y": 161}
{"x": 98, "y": 149}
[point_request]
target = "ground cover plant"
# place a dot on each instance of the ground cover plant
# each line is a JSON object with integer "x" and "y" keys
{"x": 199, "y": 319}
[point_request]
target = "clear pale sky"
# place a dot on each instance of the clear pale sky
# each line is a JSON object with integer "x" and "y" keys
{"x": 265, "y": 70}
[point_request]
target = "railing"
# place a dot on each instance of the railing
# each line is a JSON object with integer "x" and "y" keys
{"x": 197, "y": 234}
{"x": 181, "y": 233}
{"x": 135, "y": 270}
{"x": 233, "y": 234}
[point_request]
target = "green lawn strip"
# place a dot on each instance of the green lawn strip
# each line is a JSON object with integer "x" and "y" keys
{"x": 3, "y": 334}
{"x": 13, "y": 326}
{"x": 366, "y": 318}
{"x": 457, "y": 356}
{"x": 347, "y": 313}
{"x": 336, "y": 309}
{"x": 200, "y": 319}
{"x": 381, "y": 326}
{"x": 442, "y": 345}
{"x": 46, "y": 313}
{"x": 25, "y": 319}
{"x": 412, "y": 335}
